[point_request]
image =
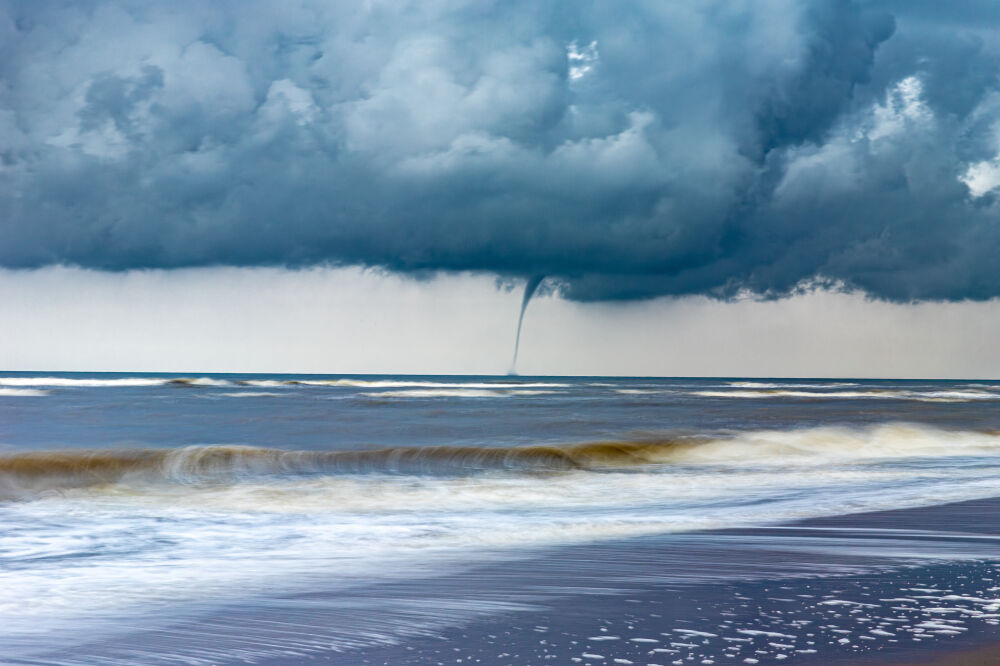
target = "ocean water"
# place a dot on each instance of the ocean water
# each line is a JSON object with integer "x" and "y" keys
{"x": 155, "y": 518}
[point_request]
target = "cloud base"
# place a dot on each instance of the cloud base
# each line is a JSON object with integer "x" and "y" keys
{"x": 628, "y": 151}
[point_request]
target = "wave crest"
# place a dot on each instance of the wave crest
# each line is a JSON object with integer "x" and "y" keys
{"x": 21, "y": 393}
{"x": 884, "y": 394}
{"x": 47, "y": 470}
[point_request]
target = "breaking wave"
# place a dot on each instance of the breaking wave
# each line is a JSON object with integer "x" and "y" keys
{"x": 198, "y": 381}
{"x": 395, "y": 384}
{"x": 81, "y": 383}
{"x": 47, "y": 470}
{"x": 119, "y": 382}
{"x": 456, "y": 393}
{"x": 641, "y": 391}
{"x": 21, "y": 393}
{"x": 127, "y": 382}
{"x": 37, "y": 471}
{"x": 883, "y": 394}
{"x": 799, "y": 385}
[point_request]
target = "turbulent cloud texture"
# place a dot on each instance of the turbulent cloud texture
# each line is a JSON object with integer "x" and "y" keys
{"x": 628, "y": 149}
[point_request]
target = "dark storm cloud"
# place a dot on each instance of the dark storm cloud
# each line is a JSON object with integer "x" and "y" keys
{"x": 628, "y": 149}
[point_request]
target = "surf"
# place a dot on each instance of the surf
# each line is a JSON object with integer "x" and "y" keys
{"x": 36, "y": 471}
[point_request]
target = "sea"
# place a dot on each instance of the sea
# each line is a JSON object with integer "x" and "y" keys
{"x": 280, "y": 519}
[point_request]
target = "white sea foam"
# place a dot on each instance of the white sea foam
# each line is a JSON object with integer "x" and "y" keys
{"x": 118, "y": 382}
{"x": 198, "y": 381}
{"x": 21, "y": 393}
{"x": 390, "y": 384}
{"x": 81, "y": 383}
{"x": 91, "y": 382}
{"x": 816, "y": 446}
{"x": 94, "y": 382}
{"x": 455, "y": 393}
{"x": 876, "y": 394}
{"x": 801, "y": 385}
{"x": 957, "y": 395}
{"x": 640, "y": 391}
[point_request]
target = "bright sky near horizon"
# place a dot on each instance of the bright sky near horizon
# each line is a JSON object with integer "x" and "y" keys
{"x": 353, "y": 321}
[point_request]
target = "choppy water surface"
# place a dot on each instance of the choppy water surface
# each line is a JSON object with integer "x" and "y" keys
{"x": 136, "y": 505}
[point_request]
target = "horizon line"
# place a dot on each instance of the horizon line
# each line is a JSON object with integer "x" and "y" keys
{"x": 501, "y": 375}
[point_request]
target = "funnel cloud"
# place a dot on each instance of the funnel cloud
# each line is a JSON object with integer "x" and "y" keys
{"x": 529, "y": 290}
{"x": 625, "y": 150}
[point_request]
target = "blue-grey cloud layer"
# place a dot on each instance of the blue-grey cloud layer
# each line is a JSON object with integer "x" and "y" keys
{"x": 631, "y": 148}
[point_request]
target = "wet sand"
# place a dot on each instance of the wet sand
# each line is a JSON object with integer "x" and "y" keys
{"x": 823, "y": 591}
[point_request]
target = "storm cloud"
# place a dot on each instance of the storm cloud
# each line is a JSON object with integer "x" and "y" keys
{"x": 626, "y": 149}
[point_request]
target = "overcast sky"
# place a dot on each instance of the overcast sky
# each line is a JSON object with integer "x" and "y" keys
{"x": 682, "y": 173}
